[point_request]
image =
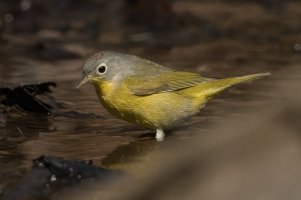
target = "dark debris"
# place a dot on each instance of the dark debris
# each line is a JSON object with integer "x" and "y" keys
{"x": 51, "y": 174}
{"x": 29, "y": 97}
{"x": 72, "y": 170}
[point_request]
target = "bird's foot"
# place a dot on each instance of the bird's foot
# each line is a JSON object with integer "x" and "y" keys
{"x": 160, "y": 135}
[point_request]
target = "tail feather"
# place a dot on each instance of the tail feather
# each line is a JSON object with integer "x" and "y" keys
{"x": 209, "y": 89}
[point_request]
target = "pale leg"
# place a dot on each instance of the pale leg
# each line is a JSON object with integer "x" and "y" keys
{"x": 160, "y": 135}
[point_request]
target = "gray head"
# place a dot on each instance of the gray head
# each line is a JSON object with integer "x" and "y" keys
{"x": 112, "y": 66}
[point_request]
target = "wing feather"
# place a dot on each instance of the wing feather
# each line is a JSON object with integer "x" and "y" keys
{"x": 164, "y": 82}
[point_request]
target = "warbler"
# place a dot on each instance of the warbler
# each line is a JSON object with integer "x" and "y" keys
{"x": 148, "y": 94}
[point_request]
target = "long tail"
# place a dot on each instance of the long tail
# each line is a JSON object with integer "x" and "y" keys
{"x": 207, "y": 90}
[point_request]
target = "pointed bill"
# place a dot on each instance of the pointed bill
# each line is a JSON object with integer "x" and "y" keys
{"x": 85, "y": 80}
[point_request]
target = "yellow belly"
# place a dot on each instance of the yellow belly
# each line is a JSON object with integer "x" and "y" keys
{"x": 152, "y": 111}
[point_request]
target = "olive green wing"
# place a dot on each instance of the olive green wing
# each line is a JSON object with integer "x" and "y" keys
{"x": 164, "y": 82}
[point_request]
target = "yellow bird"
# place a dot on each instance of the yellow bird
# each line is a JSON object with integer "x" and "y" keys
{"x": 148, "y": 94}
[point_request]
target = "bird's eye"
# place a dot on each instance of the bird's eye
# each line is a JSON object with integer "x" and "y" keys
{"x": 101, "y": 69}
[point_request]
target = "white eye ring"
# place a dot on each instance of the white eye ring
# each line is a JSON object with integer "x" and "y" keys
{"x": 101, "y": 68}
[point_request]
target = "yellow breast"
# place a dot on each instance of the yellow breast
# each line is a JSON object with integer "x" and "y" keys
{"x": 122, "y": 104}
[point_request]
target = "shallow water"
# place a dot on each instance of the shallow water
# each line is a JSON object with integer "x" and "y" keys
{"x": 83, "y": 129}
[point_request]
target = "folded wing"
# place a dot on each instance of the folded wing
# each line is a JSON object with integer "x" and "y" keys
{"x": 163, "y": 82}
